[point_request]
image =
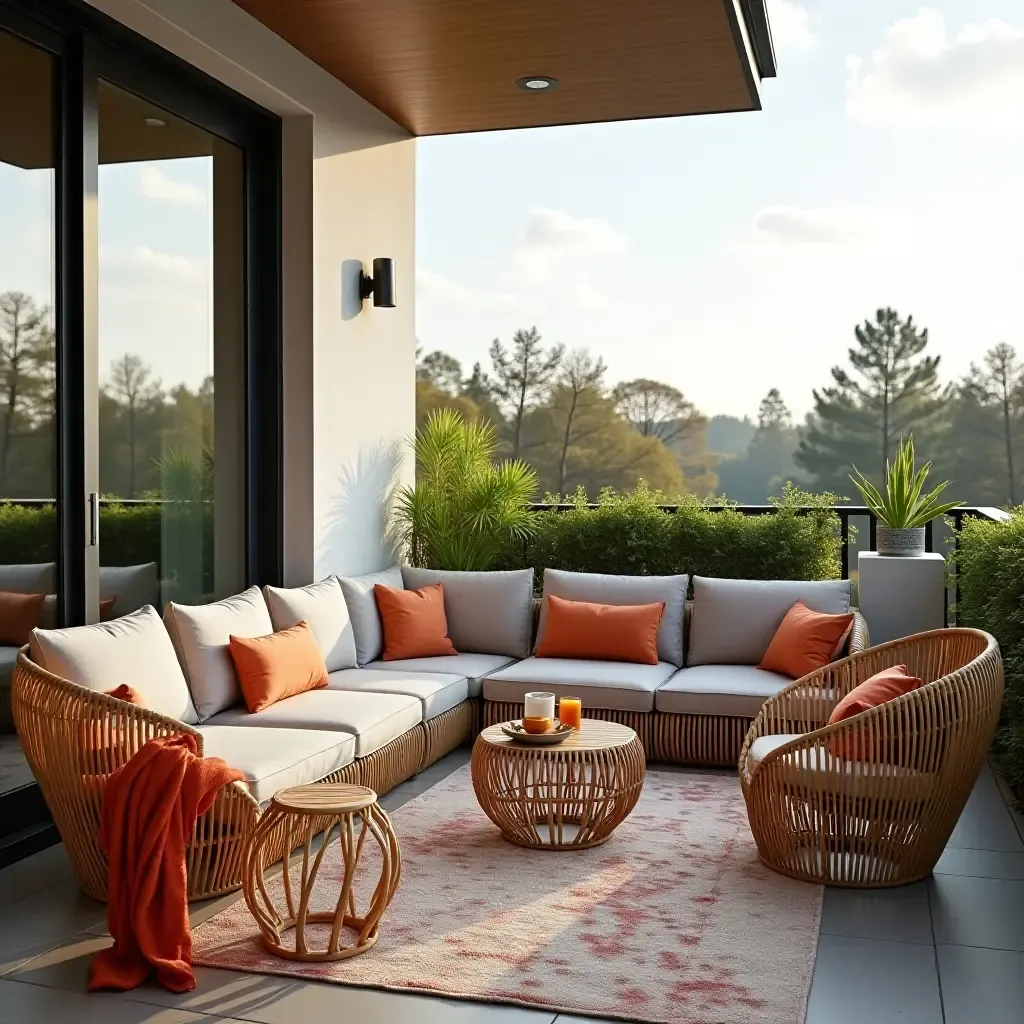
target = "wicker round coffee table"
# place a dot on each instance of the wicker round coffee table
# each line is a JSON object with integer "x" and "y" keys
{"x": 291, "y": 821}
{"x": 566, "y": 797}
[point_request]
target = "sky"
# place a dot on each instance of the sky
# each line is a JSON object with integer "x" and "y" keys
{"x": 734, "y": 253}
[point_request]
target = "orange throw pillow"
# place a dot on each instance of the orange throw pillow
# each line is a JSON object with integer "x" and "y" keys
{"x": 19, "y": 615}
{"x": 107, "y": 607}
{"x": 127, "y": 693}
{"x": 883, "y": 686}
{"x": 278, "y": 665}
{"x": 805, "y": 641}
{"x": 414, "y": 621}
{"x": 601, "y": 632}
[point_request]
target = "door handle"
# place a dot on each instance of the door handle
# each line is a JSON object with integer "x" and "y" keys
{"x": 94, "y": 519}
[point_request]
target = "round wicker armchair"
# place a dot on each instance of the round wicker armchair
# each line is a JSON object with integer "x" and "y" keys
{"x": 885, "y": 818}
{"x": 74, "y": 738}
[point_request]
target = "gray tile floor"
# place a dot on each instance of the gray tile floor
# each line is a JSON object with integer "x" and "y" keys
{"x": 946, "y": 951}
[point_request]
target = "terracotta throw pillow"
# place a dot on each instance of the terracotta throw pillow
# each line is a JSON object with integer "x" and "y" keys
{"x": 414, "y": 621}
{"x": 601, "y": 632}
{"x": 107, "y": 607}
{"x": 880, "y": 688}
{"x": 806, "y": 641}
{"x": 279, "y": 665}
{"x": 127, "y": 693}
{"x": 19, "y": 615}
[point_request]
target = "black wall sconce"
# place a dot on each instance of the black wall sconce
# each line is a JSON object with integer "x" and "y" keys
{"x": 382, "y": 285}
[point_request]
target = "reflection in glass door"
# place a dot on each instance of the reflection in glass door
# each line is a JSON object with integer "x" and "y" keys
{"x": 28, "y": 456}
{"x": 171, "y": 358}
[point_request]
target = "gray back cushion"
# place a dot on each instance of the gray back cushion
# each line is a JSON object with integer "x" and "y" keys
{"x": 134, "y": 586}
{"x": 488, "y": 612}
{"x": 30, "y": 578}
{"x": 733, "y": 621}
{"x": 599, "y": 588}
{"x": 362, "y": 610}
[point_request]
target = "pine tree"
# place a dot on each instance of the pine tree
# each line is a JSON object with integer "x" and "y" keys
{"x": 891, "y": 390}
{"x": 522, "y": 378}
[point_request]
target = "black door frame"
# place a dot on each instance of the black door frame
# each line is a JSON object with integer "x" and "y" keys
{"x": 87, "y": 46}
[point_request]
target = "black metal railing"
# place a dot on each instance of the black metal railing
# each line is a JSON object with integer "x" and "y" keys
{"x": 845, "y": 514}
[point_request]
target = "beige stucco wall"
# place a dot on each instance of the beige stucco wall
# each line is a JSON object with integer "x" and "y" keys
{"x": 348, "y": 193}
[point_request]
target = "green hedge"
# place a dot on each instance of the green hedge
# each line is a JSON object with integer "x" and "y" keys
{"x": 630, "y": 534}
{"x": 990, "y": 569}
{"x": 129, "y": 534}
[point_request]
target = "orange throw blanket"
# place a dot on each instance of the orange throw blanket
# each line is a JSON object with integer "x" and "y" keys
{"x": 150, "y": 806}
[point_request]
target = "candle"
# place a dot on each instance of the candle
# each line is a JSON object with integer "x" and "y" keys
{"x": 570, "y": 712}
{"x": 539, "y": 705}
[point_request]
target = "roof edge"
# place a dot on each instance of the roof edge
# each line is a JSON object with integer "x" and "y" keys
{"x": 755, "y": 14}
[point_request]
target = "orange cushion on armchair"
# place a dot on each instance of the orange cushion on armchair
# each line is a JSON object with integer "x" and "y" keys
{"x": 414, "y": 621}
{"x": 601, "y": 632}
{"x": 878, "y": 689}
{"x": 806, "y": 641}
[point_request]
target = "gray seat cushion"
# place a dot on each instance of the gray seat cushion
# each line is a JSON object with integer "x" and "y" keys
{"x": 733, "y": 621}
{"x": 473, "y": 666}
{"x": 373, "y": 718}
{"x": 600, "y": 588}
{"x": 437, "y": 692}
{"x": 616, "y": 685}
{"x": 488, "y": 612}
{"x": 275, "y": 759}
{"x": 361, "y": 601}
{"x": 738, "y": 690}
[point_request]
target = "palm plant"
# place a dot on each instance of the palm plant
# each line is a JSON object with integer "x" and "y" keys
{"x": 903, "y": 507}
{"x": 465, "y": 509}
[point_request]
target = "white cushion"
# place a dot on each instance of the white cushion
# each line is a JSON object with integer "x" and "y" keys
{"x": 733, "y": 621}
{"x": 600, "y": 588}
{"x": 200, "y": 634}
{"x": 30, "y": 578}
{"x": 134, "y": 649}
{"x": 275, "y": 759}
{"x": 737, "y": 690}
{"x": 437, "y": 693}
{"x": 488, "y": 612}
{"x": 132, "y": 585}
{"x": 814, "y": 765}
{"x": 362, "y": 610}
{"x": 618, "y": 685}
{"x": 322, "y": 606}
{"x": 373, "y": 718}
{"x": 473, "y": 666}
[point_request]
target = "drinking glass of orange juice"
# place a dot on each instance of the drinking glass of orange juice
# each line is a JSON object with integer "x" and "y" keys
{"x": 570, "y": 712}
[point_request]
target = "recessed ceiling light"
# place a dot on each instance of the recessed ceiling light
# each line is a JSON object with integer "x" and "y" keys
{"x": 537, "y": 83}
{"x": 155, "y": 122}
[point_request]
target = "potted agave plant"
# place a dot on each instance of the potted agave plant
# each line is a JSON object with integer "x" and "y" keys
{"x": 903, "y": 510}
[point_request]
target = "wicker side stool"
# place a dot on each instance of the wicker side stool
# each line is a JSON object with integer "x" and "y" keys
{"x": 291, "y": 821}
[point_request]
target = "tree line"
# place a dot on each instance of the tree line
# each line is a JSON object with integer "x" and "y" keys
{"x": 557, "y": 411}
{"x": 154, "y": 440}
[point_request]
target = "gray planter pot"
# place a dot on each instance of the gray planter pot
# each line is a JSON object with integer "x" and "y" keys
{"x": 899, "y": 543}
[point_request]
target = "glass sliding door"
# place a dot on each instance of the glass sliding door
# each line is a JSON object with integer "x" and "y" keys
{"x": 28, "y": 369}
{"x": 171, "y": 358}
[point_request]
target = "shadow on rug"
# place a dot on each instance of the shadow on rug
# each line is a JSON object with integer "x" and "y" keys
{"x": 674, "y": 920}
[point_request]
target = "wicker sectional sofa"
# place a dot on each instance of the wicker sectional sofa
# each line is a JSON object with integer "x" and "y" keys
{"x": 379, "y": 722}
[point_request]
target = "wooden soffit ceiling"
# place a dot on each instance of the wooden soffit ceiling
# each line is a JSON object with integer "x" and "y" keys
{"x": 441, "y": 66}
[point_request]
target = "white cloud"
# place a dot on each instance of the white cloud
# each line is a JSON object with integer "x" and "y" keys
{"x": 791, "y": 25}
{"x": 154, "y": 184}
{"x": 826, "y": 226}
{"x": 165, "y": 264}
{"x": 553, "y": 240}
{"x": 922, "y": 75}
{"x": 431, "y": 287}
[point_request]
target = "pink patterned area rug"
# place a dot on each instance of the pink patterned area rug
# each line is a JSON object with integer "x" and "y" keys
{"x": 673, "y": 920}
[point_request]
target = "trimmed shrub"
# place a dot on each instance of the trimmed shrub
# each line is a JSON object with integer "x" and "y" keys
{"x": 630, "y": 534}
{"x": 990, "y": 570}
